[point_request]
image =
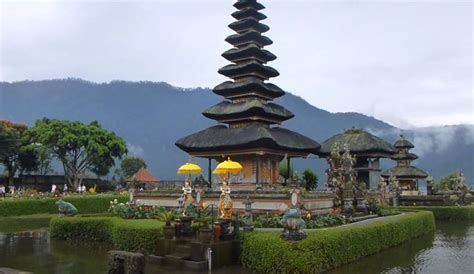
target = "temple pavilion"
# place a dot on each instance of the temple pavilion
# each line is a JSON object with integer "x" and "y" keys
{"x": 406, "y": 174}
{"x": 248, "y": 121}
{"x": 368, "y": 150}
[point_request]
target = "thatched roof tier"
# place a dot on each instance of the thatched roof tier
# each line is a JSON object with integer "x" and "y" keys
{"x": 249, "y": 111}
{"x": 222, "y": 138}
{"x": 252, "y": 109}
{"x": 403, "y": 143}
{"x": 404, "y": 156}
{"x": 249, "y": 37}
{"x": 405, "y": 172}
{"x": 249, "y": 52}
{"x": 242, "y": 4}
{"x": 360, "y": 142}
{"x": 249, "y": 69}
{"x": 248, "y": 24}
{"x": 250, "y": 86}
{"x": 248, "y": 13}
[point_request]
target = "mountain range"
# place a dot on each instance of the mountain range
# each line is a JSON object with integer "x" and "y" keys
{"x": 151, "y": 116}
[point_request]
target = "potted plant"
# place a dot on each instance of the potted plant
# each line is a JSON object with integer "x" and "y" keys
{"x": 205, "y": 231}
{"x": 167, "y": 217}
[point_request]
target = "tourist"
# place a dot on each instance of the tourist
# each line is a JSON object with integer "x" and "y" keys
{"x": 12, "y": 190}
{"x": 83, "y": 188}
{"x": 2, "y": 191}
{"x": 53, "y": 188}
{"x": 65, "y": 188}
{"x": 79, "y": 189}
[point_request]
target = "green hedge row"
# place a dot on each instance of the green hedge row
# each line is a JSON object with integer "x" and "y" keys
{"x": 265, "y": 252}
{"x": 447, "y": 212}
{"x": 128, "y": 235}
{"x": 86, "y": 204}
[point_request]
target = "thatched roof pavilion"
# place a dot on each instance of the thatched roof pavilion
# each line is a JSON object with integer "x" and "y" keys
{"x": 367, "y": 148}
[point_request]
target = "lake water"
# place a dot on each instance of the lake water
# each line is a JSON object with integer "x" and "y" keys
{"x": 449, "y": 250}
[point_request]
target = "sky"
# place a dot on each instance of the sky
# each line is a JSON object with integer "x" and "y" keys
{"x": 408, "y": 63}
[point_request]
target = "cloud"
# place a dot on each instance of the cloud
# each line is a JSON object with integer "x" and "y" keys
{"x": 339, "y": 56}
{"x": 135, "y": 150}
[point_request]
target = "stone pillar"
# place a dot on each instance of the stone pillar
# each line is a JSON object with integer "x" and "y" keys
{"x": 209, "y": 172}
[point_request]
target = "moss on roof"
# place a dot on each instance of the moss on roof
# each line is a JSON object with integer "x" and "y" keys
{"x": 405, "y": 172}
{"x": 360, "y": 142}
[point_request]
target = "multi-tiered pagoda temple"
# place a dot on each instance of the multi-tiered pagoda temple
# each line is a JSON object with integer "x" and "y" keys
{"x": 406, "y": 174}
{"x": 247, "y": 130}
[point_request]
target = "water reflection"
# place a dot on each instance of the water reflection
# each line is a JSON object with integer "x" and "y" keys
{"x": 450, "y": 250}
{"x": 34, "y": 251}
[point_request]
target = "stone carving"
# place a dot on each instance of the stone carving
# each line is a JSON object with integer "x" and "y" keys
{"x": 394, "y": 189}
{"x": 341, "y": 176}
{"x": 461, "y": 189}
{"x": 293, "y": 225}
{"x": 66, "y": 208}
{"x": 382, "y": 191}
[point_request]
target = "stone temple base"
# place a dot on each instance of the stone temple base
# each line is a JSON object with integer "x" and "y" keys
{"x": 276, "y": 202}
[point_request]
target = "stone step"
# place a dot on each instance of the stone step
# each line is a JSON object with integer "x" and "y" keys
{"x": 175, "y": 259}
{"x": 183, "y": 249}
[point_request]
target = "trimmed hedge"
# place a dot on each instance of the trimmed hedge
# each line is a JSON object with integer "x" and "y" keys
{"x": 265, "y": 252}
{"x": 127, "y": 235}
{"x": 447, "y": 212}
{"x": 86, "y": 204}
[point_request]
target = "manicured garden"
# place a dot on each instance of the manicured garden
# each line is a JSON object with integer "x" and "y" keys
{"x": 328, "y": 248}
{"x": 129, "y": 235}
{"x": 86, "y": 204}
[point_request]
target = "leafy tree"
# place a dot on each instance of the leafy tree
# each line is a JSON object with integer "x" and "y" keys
{"x": 15, "y": 152}
{"x": 130, "y": 165}
{"x": 79, "y": 147}
{"x": 447, "y": 182}
{"x": 311, "y": 179}
{"x": 285, "y": 171}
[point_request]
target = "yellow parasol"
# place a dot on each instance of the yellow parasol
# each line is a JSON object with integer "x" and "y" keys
{"x": 228, "y": 167}
{"x": 189, "y": 168}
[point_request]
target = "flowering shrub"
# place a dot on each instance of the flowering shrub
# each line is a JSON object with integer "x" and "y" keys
{"x": 327, "y": 221}
{"x": 133, "y": 211}
{"x": 273, "y": 221}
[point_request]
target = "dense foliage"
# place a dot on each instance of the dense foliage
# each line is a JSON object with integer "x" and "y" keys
{"x": 311, "y": 179}
{"x": 133, "y": 211}
{"x": 79, "y": 147}
{"x": 127, "y": 235}
{"x": 84, "y": 204}
{"x": 446, "y": 183}
{"x": 266, "y": 252}
{"x": 447, "y": 212}
{"x": 16, "y": 154}
{"x": 130, "y": 165}
{"x": 273, "y": 221}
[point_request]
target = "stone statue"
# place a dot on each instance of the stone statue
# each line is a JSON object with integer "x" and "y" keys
{"x": 461, "y": 189}
{"x": 225, "y": 202}
{"x": 66, "y": 208}
{"x": 187, "y": 196}
{"x": 394, "y": 189}
{"x": 293, "y": 225}
{"x": 382, "y": 188}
